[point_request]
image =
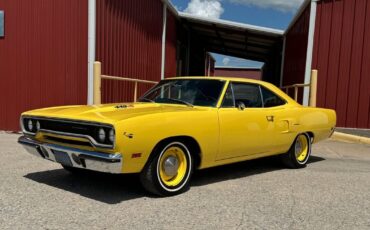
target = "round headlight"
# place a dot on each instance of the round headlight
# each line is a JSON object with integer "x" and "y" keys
{"x": 38, "y": 126}
{"x": 30, "y": 125}
{"x": 101, "y": 135}
{"x": 111, "y": 135}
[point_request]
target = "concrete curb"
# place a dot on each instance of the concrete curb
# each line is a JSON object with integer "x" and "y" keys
{"x": 351, "y": 138}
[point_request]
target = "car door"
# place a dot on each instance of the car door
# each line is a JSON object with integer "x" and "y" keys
{"x": 245, "y": 128}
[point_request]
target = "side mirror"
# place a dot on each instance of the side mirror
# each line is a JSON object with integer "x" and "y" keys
{"x": 240, "y": 105}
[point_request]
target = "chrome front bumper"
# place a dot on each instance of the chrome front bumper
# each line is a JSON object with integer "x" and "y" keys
{"x": 96, "y": 161}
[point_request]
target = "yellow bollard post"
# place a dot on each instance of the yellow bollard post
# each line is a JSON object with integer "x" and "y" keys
{"x": 135, "y": 92}
{"x": 97, "y": 83}
{"x": 296, "y": 93}
{"x": 313, "y": 88}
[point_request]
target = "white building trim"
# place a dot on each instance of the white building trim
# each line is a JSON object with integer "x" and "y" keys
{"x": 235, "y": 25}
{"x": 164, "y": 30}
{"x": 311, "y": 35}
{"x": 282, "y": 63}
{"x": 91, "y": 50}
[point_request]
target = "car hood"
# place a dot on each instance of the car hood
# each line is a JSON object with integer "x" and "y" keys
{"x": 108, "y": 113}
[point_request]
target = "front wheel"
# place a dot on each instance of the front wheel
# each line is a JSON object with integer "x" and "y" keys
{"x": 169, "y": 172}
{"x": 299, "y": 153}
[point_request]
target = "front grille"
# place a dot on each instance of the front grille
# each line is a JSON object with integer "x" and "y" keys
{"x": 67, "y": 127}
{"x": 74, "y": 128}
{"x": 67, "y": 141}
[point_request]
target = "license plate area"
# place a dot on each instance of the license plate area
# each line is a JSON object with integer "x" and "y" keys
{"x": 62, "y": 157}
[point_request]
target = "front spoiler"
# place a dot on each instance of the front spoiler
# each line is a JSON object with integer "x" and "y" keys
{"x": 96, "y": 161}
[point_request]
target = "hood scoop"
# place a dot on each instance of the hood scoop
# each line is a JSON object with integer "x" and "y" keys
{"x": 123, "y": 106}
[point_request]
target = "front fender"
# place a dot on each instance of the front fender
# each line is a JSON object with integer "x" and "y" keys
{"x": 137, "y": 137}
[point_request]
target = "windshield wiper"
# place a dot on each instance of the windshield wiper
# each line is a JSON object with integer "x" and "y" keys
{"x": 181, "y": 101}
{"x": 146, "y": 99}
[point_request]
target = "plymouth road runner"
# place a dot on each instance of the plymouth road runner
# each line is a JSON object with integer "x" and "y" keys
{"x": 178, "y": 126}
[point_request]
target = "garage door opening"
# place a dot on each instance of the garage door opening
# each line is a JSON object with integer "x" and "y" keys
{"x": 228, "y": 66}
{"x": 203, "y": 36}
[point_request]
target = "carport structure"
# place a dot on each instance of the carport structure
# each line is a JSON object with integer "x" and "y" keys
{"x": 238, "y": 40}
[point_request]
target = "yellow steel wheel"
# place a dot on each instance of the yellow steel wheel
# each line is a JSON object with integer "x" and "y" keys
{"x": 299, "y": 152}
{"x": 173, "y": 166}
{"x": 169, "y": 171}
{"x": 301, "y": 148}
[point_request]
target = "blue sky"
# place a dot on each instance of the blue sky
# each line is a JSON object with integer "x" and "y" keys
{"x": 268, "y": 13}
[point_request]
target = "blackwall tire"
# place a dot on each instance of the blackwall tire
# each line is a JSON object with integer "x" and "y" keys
{"x": 299, "y": 153}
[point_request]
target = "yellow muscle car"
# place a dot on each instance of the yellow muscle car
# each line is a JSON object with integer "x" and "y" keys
{"x": 178, "y": 126}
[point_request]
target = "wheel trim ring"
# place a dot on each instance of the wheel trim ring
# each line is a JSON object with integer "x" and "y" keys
{"x": 303, "y": 150}
{"x": 187, "y": 171}
{"x": 179, "y": 154}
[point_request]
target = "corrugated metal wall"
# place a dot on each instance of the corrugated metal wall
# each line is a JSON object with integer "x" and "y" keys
{"x": 296, "y": 50}
{"x": 171, "y": 43}
{"x": 239, "y": 72}
{"x": 43, "y": 56}
{"x": 342, "y": 56}
{"x": 128, "y": 43}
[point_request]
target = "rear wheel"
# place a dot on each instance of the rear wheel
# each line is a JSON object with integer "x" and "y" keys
{"x": 299, "y": 152}
{"x": 169, "y": 172}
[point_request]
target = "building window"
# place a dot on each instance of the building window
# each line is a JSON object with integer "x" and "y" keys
{"x": 1, "y": 23}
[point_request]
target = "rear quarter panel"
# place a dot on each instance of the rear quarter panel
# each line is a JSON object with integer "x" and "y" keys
{"x": 321, "y": 122}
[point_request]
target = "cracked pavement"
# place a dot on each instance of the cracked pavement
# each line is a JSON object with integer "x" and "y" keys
{"x": 332, "y": 192}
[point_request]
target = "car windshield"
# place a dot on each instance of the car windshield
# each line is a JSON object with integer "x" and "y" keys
{"x": 190, "y": 92}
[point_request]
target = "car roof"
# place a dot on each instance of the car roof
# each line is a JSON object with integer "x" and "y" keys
{"x": 222, "y": 78}
{"x": 247, "y": 80}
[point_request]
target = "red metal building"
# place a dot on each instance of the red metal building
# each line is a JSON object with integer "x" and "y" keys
{"x": 128, "y": 43}
{"x": 243, "y": 72}
{"x": 296, "y": 40}
{"x": 342, "y": 56}
{"x": 48, "y": 50}
{"x": 333, "y": 36}
{"x": 43, "y": 56}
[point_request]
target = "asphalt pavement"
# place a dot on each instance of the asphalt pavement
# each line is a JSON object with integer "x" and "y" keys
{"x": 332, "y": 192}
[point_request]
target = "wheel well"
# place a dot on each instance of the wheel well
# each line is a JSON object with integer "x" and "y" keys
{"x": 311, "y": 135}
{"x": 190, "y": 142}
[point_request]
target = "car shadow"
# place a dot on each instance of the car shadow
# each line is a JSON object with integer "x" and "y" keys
{"x": 103, "y": 187}
{"x": 113, "y": 189}
{"x": 241, "y": 169}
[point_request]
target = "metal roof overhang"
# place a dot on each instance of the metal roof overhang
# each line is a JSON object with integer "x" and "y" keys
{"x": 235, "y": 39}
